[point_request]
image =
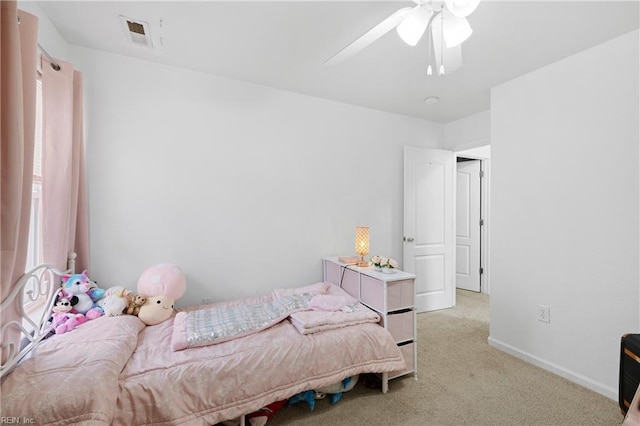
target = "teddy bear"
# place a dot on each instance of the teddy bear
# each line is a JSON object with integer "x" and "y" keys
{"x": 79, "y": 285}
{"x": 62, "y": 320}
{"x": 136, "y": 301}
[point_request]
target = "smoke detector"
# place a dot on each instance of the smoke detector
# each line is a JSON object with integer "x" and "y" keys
{"x": 431, "y": 100}
{"x": 137, "y": 32}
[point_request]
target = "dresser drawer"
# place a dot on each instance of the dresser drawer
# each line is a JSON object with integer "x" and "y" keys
{"x": 350, "y": 282}
{"x": 408, "y": 352}
{"x": 399, "y": 294}
{"x": 331, "y": 272}
{"x": 401, "y": 326}
{"x": 347, "y": 278}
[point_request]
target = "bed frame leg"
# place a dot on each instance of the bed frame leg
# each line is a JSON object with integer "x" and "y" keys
{"x": 242, "y": 421}
{"x": 385, "y": 382}
{"x": 71, "y": 262}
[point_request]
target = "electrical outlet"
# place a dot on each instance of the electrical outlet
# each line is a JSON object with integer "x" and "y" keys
{"x": 544, "y": 313}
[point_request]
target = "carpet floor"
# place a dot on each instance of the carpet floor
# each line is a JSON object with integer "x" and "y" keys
{"x": 463, "y": 381}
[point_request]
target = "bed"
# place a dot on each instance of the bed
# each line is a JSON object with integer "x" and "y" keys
{"x": 116, "y": 370}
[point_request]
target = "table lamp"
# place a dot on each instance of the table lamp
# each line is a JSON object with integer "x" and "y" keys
{"x": 362, "y": 244}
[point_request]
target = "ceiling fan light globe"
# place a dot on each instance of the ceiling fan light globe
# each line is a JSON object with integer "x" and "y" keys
{"x": 462, "y": 8}
{"x": 414, "y": 25}
{"x": 456, "y": 30}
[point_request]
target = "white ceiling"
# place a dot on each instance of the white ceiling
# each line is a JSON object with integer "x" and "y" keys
{"x": 284, "y": 45}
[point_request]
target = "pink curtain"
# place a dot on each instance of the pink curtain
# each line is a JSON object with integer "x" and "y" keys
{"x": 64, "y": 201}
{"x": 18, "y": 48}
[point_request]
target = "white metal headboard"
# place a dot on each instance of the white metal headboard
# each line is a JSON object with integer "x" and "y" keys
{"x": 36, "y": 292}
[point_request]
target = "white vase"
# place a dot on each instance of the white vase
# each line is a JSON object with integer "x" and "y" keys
{"x": 388, "y": 270}
{"x": 377, "y": 268}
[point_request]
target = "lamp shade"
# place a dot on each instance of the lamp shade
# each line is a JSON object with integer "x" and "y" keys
{"x": 362, "y": 240}
{"x": 455, "y": 31}
{"x": 413, "y": 26}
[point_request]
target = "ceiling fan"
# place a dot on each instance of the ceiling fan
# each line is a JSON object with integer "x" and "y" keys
{"x": 448, "y": 24}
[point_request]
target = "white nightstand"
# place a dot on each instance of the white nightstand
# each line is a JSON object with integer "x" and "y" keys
{"x": 390, "y": 295}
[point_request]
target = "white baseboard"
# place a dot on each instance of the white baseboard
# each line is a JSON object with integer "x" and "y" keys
{"x": 600, "y": 388}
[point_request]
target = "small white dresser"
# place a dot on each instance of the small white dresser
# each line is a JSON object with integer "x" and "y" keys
{"x": 390, "y": 295}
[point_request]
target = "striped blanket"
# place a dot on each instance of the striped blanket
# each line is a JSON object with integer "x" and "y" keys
{"x": 310, "y": 309}
{"x": 221, "y": 323}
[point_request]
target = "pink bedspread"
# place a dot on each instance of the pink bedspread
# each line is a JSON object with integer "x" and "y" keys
{"x": 73, "y": 377}
{"x": 117, "y": 371}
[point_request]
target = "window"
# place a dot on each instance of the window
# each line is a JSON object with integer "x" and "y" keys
{"x": 34, "y": 250}
{"x": 34, "y": 296}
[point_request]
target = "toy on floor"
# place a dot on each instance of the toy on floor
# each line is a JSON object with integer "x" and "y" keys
{"x": 262, "y": 416}
{"x": 335, "y": 391}
{"x": 163, "y": 284}
{"x": 306, "y": 396}
{"x": 78, "y": 285}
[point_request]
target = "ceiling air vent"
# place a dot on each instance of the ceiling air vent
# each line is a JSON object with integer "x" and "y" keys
{"x": 136, "y": 32}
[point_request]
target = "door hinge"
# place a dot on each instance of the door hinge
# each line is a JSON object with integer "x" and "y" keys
{"x": 481, "y": 222}
{"x": 481, "y": 174}
{"x": 481, "y": 271}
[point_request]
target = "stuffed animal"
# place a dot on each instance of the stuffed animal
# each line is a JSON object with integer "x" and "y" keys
{"x": 306, "y": 396}
{"x": 336, "y": 389}
{"x": 135, "y": 302}
{"x": 156, "y": 310}
{"x": 163, "y": 279}
{"x": 163, "y": 284}
{"x": 62, "y": 320}
{"x": 115, "y": 301}
{"x": 78, "y": 285}
{"x": 64, "y": 304}
{"x": 262, "y": 416}
{"x": 95, "y": 293}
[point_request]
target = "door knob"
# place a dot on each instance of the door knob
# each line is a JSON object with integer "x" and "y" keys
{"x": 408, "y": 239}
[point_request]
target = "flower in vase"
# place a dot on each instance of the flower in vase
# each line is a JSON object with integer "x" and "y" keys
{"x": 383, "y": 262}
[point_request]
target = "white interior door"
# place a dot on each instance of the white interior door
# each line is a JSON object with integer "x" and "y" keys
{"x": 468, "y": 225}
{"x": 429, "y": 176}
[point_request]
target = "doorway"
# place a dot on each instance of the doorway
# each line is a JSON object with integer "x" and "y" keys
{"x": 430, "y": 220}
{"x": 468, "y": 224}
{"x": 472, "y": 219}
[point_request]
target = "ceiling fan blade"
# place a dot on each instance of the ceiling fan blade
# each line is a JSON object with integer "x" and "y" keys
{"x": 372, "y": 35}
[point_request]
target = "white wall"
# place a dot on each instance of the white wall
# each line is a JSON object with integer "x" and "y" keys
{"x": 245, "y": 187}
{"x": 468, "y": 132}
{"x": 564, "y": 150}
